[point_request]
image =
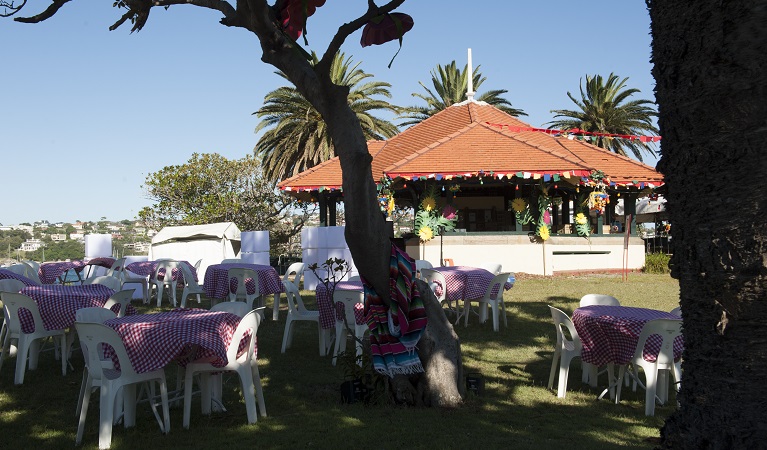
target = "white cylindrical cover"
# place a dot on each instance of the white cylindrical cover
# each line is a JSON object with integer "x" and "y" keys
{"x": 309, "y": 256}
{"x": 337, "y": 253}
{"x": 261, "y": 258}
{"x": 322, "y": 237}
{"x": 349, "y": 259}
{"x": 254, "y": 241}
{"x": 310, "y": 280}
{"x": 98, "y": 245}
{"x": 335, "y": 237}
{"x": 310, "y": 237}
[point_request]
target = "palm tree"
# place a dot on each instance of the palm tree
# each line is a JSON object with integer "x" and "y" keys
{"x": 450, "y": 85}
{"x": 299, "y": 137}
{"x": 604, "y": 109}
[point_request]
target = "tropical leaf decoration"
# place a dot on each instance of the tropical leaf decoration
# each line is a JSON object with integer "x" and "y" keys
{"x": 430, "y": 220}
{"x": 544, "y": 217}
{"x": 522, "y": 211}
{"x": 582, "y": 225}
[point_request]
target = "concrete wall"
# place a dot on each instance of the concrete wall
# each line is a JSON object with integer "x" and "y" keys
{"x": 517, "y": 253}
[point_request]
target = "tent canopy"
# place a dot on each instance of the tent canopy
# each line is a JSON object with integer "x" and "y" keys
{"x": 221, "y": 230}
{"x": 647, "y": 209}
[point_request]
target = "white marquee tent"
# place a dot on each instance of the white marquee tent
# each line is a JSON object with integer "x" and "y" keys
{"x": 211, "y": 243}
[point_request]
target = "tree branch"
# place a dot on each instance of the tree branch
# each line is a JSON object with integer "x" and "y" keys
{"x": 52, "y": 9}
{"x": 10, "y": 9}
{"x": 348, "y": 28}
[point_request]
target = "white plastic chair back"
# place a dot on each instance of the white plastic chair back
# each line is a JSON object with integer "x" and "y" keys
{"x": 116, "y": 270}
{"x": 11, "y": 285}
{"x": 111, "y": 282}
{"x": 163, "y": 278}
{"x": 296, "y": 268}
{"x": 493, "y": 268}
{"x": 677, "y": 311}
{"x": 599, "y": 299}
{"x": 33, "y": 264}
{"x": 190, "y": 285}
{"x": 421, "y": 264}
{"x": 568, "y": 346}
{"x": 241, "y": 275}
{"x": 122, "y": 298}
{"x": 94, "y": 314}
{"x": 298, "y": 311}
{"x": 231, "y": 261}
{"x": 355, "y": 278}
{"x": 295, "y": 302}
{"x": 432, "y": 278}
{"x": 236, "y": 308}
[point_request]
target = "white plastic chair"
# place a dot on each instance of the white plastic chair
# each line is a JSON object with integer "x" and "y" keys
{"x": 433, "y": 278}
{"x": 25, "y": 270}
{"x": 231, "y": 261}
{"x": 296, "y": 268}
{"x": 422, "y": 264}
{"x": 33, "y": 264}
{"x": 15, "y": 286}
{"x": 28, "y": 344}
{"x": 115, "y": 270}
{"x": 591, "y": 372}
{"x": 111, "y": 282}
{"x": 297, "y": 311}
{"x": 568, "y": 346}
{"x": 93, "y": 315}
{"x": 677, "y": 311}
{"x": 110, "y": 381}
{"x": 163, "y": 278}
{"x": 127, "y": 278}
{"x": 355, "y": 278}
{"x": 236, "y": 308}
{"x": 242, "y": 274}
{"x": 494, "y": 300}
{"x": 190, "y": 285}
{"x": 122, "y": 298}
{"x": 348, "y": 299}
{"x": 494, "y": 268}
{"x": 656, "y": 372}
{"x": 598, "y": 299}
{"x": 245, "y": 365}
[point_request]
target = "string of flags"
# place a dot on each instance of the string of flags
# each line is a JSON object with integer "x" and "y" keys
{"x": 576, "y": 132}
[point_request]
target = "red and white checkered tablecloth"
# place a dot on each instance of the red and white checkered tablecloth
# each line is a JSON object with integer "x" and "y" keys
{"x": 609, "y": 334}
{"x": 8, "y": 275}
{"x": 58, "y": 303}
{"x": 50, "y": 271}
{"x": 147, "y": 268}
{"x": 465, "y": 282}
{"x": 152, "y": 341}
{"x": 218, "y": 285}
{"x": 325, "y": 305}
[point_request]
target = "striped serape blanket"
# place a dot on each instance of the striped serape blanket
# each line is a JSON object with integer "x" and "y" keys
{"x": 395, "y": 331}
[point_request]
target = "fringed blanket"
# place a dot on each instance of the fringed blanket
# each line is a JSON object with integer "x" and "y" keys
{"x": 395, "y": 331}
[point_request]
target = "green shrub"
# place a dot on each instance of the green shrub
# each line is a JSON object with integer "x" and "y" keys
{"x": 656, "y": 263}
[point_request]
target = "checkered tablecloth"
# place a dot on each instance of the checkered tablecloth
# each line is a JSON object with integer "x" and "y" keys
{"x": 50, "y": 271}
{"x": 152, "y": 341}
{"x": 58, "y": 304}
{"x": 325, "y": 305}
{"x": 609, "y": 334}
{"x": 465, "y": 282}
{"x": 8, "y": 275}
{"x": 218, "y": 285}
{"x": 147, "y": 268}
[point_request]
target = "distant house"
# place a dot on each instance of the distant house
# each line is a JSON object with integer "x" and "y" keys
{"x": 77, "y": 236}
{"x": 30, "y": 245}
{"x": 58, "y": 237}
{"x": 78, "y": 226}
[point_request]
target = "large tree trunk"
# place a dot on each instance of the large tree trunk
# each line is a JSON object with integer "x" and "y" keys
{"x": 711, "y": 84}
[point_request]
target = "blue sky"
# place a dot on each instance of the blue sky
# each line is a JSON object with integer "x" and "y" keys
{"x": 86, "y": 114}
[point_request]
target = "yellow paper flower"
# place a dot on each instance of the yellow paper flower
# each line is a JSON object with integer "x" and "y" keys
{"x": 426, "y": 234}
{"x": 390, "y": 205}
{"x": 518, "y": 205}
{"x": 581, "y": 219}
{"x": 429, "y": 204}
{"x": 543, "y": 232}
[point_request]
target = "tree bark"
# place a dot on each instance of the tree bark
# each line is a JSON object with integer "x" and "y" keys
{"x": 711, "y": 86}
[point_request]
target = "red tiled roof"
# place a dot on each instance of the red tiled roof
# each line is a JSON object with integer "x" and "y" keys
{"x": 460, "y": 140}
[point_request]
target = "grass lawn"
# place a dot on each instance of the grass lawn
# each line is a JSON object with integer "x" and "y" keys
{"x": 303, "y": 399}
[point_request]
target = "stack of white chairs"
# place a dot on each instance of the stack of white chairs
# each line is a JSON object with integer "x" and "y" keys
{"x": 191, "y": 287}
{"x": 493, "y": 298}
{"x": 162, "y": 278}
{"x": 297, "y": 271}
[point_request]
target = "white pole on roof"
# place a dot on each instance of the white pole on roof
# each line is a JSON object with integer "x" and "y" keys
{"x": 470, "y": 75}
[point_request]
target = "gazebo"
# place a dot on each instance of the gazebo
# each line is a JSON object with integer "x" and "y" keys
{"x": 480, "y": 160}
